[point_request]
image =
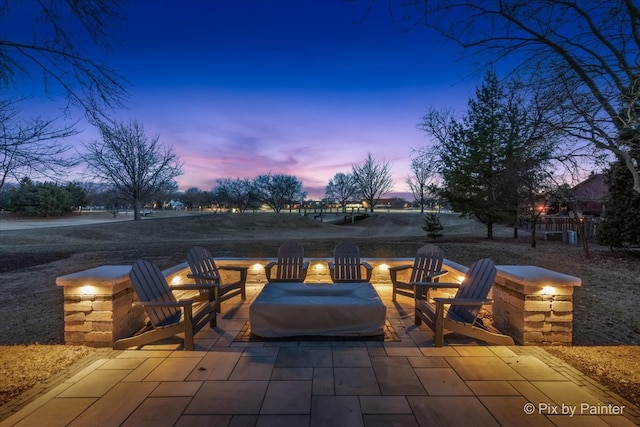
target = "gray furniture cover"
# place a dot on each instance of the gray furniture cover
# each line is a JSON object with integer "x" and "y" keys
{"x": 299, "y": 309}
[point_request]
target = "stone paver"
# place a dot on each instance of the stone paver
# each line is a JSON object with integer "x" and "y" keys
{"x": 321, "y": 383}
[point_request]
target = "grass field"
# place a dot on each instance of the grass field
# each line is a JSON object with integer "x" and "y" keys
{"x": 605, "y": 306}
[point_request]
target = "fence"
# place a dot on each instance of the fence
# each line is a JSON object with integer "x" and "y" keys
{"x": 544, "y": 224}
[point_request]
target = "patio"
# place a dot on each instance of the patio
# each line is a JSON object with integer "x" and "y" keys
{"x": 229, "y": 382}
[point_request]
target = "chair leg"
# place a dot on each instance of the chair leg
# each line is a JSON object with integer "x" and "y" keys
{"x": 188, "y": 329}
{"x": 214, "y": 320}
{"x": 439, "y": 326}
{"x": 217, "y": 297}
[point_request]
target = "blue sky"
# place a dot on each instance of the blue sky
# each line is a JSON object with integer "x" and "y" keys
{"x": 302, "y": 87}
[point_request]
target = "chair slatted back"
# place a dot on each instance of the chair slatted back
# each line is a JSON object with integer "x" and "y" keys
{"x": 201, "y": 262}
{"x": 290, "y": 264}
{"x": 429, "y": 259}
{"x": 476, "y": 285}
{"x": 151, "y": 286}
{"x": 347, "y": 262}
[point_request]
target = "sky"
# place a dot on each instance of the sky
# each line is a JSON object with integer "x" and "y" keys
{"x": 240, "y": 88}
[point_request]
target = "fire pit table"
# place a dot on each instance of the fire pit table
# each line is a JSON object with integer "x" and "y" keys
{"x": 299, "y": 309}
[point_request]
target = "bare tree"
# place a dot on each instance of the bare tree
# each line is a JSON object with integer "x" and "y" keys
{"x": 278, "y": 190}
{"x": 238, "y": 193}
{"x": 341, "y": 189}
{"x": 424, "y": 170}
{"x": 31, "y": 148}
{"x": 56, "y": 47}
{"x": 136, "y": 165}
{"x": 588, "y": 51}
{"x": 373, "y": 179}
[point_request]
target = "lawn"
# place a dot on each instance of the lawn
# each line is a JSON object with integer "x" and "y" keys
{"x": 30, "y": 260}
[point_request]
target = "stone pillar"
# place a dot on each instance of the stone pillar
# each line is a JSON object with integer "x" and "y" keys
{"x": 97, "y": 306}
{"x": 534, "y": 305}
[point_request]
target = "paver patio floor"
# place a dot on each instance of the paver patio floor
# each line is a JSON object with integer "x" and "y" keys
{"x": 318, "y": 383}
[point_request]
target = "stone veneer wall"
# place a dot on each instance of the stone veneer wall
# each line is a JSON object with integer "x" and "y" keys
{"x": 535, "y": 310}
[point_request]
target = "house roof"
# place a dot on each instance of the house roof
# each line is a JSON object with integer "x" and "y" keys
{"x": 594, "y": 188}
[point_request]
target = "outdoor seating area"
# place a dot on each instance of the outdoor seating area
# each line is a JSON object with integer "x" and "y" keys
{"x": 313, "y": 350}
{"x": 107, "y": 305}
{"x": 350, "y": 306}
{"x": 304, "y": 382}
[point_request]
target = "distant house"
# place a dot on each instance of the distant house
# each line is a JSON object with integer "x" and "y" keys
{"x": 589, "y": 196}
{"x": 393, "y": 203}
{"x": 176, "y": 205}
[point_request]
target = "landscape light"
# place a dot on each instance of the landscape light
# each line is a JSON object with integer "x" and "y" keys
{"x": 548, "y": 290}
{"x": 88, "y": 290}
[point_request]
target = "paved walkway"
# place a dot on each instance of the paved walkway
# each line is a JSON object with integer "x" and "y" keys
{"x": 322, "y": 383}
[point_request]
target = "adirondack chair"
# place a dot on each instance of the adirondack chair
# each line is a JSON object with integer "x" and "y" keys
{"x": 167, "y": 316}
{"x": 346, "y": 266}
{"x": 461, "y": 317}
{"x": 204, "y": 271}
{"x": 426, "y": 267}
{"x": 290, "y": 266}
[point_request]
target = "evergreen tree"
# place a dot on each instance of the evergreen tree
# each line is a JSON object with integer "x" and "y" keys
{"x": 621, "y": 225}
{"x": 432, "y": 225}
{"x": 473, "y": 159}
{"x": 46, "y": 198}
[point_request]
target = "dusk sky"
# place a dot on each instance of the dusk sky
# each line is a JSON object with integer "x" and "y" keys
{"x": 306, "y": 88}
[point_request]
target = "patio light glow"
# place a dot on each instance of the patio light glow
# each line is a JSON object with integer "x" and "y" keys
{"x": 257, "y": 267}
{"x": 383, "y": 267}
{"x": 176, "y": 280}
{"x": 88, "y": 290}
{"x": 548, "y": 290}
{"x": 319, "y": 266}
{"x": 460, "y": 279}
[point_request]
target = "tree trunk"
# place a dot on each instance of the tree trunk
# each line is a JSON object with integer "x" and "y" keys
{"x": 137, "y": 207}
{"x": 533, "y": 236}
{"x": 490, "y": 230}
{"x": 583, "y": 239}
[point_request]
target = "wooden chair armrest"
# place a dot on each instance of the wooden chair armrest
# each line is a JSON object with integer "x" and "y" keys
{"x": 368, "y": 269}
{"x": 203, "y": 276}
{"x": 400, "y": 268}
{"x": 194, "y": 286}
{"x": 179, "y": 303}
{"x": 233, "y": 268}
{"x": 436, "y": 285}
{"x": 437, "y": 274}
{"x": 463, "y": 301}
{"x": 268, "y": 268}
